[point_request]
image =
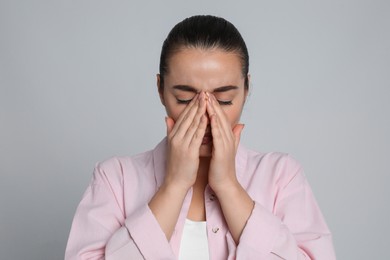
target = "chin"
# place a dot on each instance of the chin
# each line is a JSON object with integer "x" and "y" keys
{"x": 205, "y": 150}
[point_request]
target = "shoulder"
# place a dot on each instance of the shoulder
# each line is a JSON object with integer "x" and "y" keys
{"x": 115, "y": 169}
{"x": 277, "y": 166}
{"x": 276, "y": 159}
{"x": 268, "y": 175}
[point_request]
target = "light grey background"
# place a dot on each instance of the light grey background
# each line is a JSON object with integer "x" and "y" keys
{"x": 77, "y": 85}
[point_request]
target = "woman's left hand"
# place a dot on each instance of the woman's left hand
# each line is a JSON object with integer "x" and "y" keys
{"x": 235, "y": 202}
{"x": 222, "y": 171}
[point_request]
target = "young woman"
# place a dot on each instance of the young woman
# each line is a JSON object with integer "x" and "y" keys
{"x": 199, "y": 194}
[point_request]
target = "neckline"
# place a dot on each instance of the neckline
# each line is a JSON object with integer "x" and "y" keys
{"x": 193, "y": 222}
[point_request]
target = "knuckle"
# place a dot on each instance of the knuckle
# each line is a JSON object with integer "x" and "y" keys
{"x": 198, "y": 134}
{"x": 193, "y": 127}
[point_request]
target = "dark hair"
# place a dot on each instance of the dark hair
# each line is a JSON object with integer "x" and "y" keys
{"x": 205, "y": 32}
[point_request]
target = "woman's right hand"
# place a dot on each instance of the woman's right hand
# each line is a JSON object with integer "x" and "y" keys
{"x": 184, "y": 140}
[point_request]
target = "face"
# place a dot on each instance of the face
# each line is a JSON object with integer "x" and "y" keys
{"x": 192, "y": 70}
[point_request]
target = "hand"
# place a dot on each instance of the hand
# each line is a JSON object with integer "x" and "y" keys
{"x": 184, "y": 140}
{"x": 222, "y": 171}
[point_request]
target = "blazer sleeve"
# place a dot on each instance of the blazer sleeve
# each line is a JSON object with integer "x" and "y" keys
{"x": 101, "y": 230}
{"x": 295, "y": 229}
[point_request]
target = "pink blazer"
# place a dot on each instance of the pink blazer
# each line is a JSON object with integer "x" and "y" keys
{"x": 113, "y": 220}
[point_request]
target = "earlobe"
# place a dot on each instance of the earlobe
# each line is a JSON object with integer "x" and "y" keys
{"x": 160, "y": 90}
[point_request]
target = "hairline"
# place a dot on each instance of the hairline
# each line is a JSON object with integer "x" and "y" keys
{"x": 216, "y": 47}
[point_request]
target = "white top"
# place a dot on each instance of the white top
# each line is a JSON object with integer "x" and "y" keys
{"x": 194, "y": 243}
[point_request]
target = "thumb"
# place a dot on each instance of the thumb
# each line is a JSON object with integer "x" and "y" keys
{"x": 237, "y": 129}
{"x": 169, "y": 123}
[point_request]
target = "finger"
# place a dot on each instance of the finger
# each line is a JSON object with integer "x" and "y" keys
{"x": 212, "y": 111}
{"x": 188, "y": 120}
{"x": 188, "y": 112}
{"x": 192, "y": 129}
{"x": 197, "y": 138}
{"x": 237, "y": 129}
{"x": 210, "y": 107}
{"x": 226, "y": 127}
{"x": 216, "y": 131}
{"x": 170, "y": 124}
{"x": 185, "y": 111}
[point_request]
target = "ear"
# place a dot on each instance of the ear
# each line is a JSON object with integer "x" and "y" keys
{"x": 160, "y": 90}
{"x": 249, "y": 83}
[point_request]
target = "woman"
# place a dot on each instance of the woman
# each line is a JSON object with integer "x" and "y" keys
{"x": 200, "y": 194}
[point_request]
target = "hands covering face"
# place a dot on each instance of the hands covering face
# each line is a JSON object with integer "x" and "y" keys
{"x": 185, "y": 138}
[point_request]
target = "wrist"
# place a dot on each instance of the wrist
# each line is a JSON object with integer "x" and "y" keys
{"x": 174, "y": 189}
{"x": 227, "y": 188}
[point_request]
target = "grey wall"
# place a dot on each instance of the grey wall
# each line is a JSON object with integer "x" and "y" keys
{"x": 77, "y": 85}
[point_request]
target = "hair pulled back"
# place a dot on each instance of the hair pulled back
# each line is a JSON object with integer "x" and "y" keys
{"x": 204, "y": 32}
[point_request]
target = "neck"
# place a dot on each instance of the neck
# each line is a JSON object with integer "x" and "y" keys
{"x": 203, "y": 170}
{"x": 197, "y": 210}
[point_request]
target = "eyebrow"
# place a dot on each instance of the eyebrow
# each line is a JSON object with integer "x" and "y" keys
{"x": 194, "y": 90}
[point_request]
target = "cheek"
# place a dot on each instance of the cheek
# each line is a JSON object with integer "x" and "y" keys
{"x": 174, "y": 110}
{"x": 233, "y": 115}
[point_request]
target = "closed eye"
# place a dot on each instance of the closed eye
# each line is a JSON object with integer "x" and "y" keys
{"x": 183, "y": 101}
{"x": 187, "y": 101}
{"x": 225, "y": 102}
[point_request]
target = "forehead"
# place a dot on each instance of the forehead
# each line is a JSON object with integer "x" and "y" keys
{"x": 204, "y": 69}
